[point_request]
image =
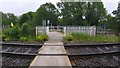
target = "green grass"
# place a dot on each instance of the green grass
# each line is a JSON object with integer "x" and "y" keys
{"x": 80, "y": 37}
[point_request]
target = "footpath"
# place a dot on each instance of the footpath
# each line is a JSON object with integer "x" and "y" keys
{"x": 52, "y": 53}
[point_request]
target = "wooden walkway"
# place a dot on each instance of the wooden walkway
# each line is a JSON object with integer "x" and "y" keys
{"x": 52, "y": 53}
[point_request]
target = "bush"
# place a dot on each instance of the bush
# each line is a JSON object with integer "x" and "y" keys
{"x": 31, "y": 39}
{"x": 7, "y": 39}
{"x": 5, "y": 31}
{"x": 42, "y": 37}
{"x": 39, "y": 38}
{"x": 26, "y": 30}
{"x": 23, "y": 39}
{"x": 14, "y": 33}
{"x": 3, "y": 37}
{"x": 69, "y": 38}
{"x": 45, "y": 37}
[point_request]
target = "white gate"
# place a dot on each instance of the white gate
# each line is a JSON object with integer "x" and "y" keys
{"x": 56, "y": 28}
{"x": 41, "y": 29}
{"x": 90, "y": 30}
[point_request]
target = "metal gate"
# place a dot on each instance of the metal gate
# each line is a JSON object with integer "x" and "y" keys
{"x": 56, "y": 28}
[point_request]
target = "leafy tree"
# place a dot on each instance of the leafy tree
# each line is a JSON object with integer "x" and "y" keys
{"x": 46, "y": 12}
{"x": 12, "y": 17}
{"x": 60, "y": 21}
{"x": 7, "y": 18}
{"x": 25, "y": 17}
{"x": 14, "y": 33}
{"x": 26, "y": 30}
{"x": 96, "y": 13}
{"x": 116, "y": 20}
{"x": 73, "y": 13}
{"x": 107, "y": 22}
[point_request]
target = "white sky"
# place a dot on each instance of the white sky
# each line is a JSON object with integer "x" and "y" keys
{"x": 19, "y": 7}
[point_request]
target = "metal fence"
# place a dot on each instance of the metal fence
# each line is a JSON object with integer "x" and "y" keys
{"x": 104, "y": 32}
{"x": 40, "y": 30}
{"x": 90, "y": 30}
{"x": 56, "y": 28}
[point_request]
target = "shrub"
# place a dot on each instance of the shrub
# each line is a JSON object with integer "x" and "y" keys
{"x": 7, "y": 39}
{"x": 26, "y": 30}
{"x": 42, "y": 37}
{"x": 14, "y": 33}
{"x": 31, "y": 39}
{"x": 5, "y": 31}
{"x": 39, "y": 38}
{"x": 69, "y": 38}
{"x": 23, "y": 39}
{"x": 45, "y": 37}
{"x": 3, "y": 37}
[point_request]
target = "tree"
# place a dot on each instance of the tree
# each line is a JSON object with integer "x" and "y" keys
{"x": 23, "y": 18}
{"x": 72, "y": 12}
{"x": 96, "y": 13}
{"x": 46, "y": 12}
{"x": 12, "y": 17}
{"x": 25, "y": 30}
{"x": 14, "y": 33}
{"x": 82, "y": 13}
{"x": 7, "y": 18}
{"x": 116, "y": 20}
{"x": 26, "y": 17}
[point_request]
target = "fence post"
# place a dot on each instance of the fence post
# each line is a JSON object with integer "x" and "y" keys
{"x": 47, "y": 30}
{"x": 64, "y": 31}
{"x": 36, "y": 30}
{"x": 91, "y": 30}
{"x": 94, "y": 31}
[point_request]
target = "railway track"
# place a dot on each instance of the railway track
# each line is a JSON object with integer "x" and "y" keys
{"x": 103, "y": 60}
{"x": 19, "y": 49}
{"x": 17, "y": 60}
{"x": 92, "y": 49}
{"x": 103, "y": 55}
{"x": 14, "y": 54}
{"x": 79, "y": 55}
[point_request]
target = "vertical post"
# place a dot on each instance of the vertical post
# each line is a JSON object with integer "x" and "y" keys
{"x": 47, "y": 30}
{"x": 94, "y": 30}
{"x": 51, "y": 27}
{"x": 36, "y": 31}
{"x": 48, "y": 22}
{"x": 91, "y": 30}
{"x": 64, "y": 31}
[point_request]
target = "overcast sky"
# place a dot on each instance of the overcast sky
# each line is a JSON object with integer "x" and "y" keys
{"x": 18, "y": 7}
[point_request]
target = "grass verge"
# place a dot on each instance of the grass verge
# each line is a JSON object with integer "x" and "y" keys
{"x": 80, "y": 37}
